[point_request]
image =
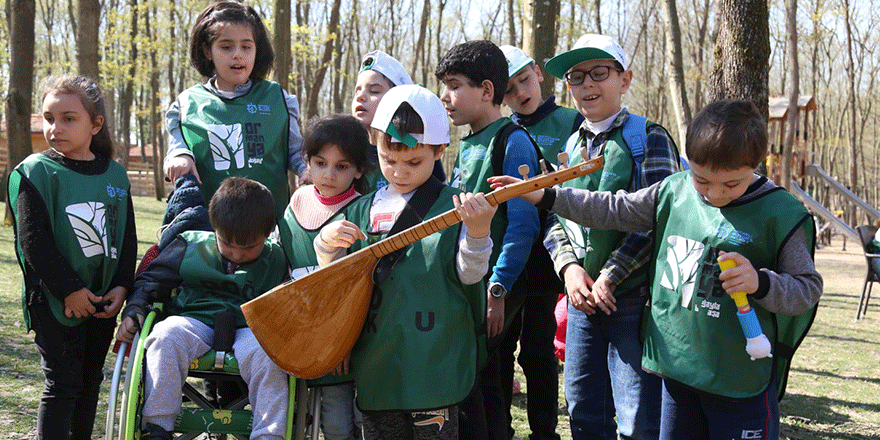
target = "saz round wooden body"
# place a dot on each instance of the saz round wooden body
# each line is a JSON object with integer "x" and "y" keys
{"x": 309, "y": 325}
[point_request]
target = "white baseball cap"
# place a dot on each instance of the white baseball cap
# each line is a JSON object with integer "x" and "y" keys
{"x": 587, "y": 47}
{"x": 428, "y": 107}
{"x": 516, "y": 59}
{"x": 386, "y": 65}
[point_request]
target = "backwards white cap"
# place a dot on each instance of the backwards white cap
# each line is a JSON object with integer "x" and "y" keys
{"x": 516, "y": 59}
{"x": 386, "y": 65}
{"x": 428, "y": 107}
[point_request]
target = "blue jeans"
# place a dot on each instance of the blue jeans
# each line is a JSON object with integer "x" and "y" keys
{"x": 337, "y": 411}
{"x": 604, "y": 376}
{"x": 700, "y": 416}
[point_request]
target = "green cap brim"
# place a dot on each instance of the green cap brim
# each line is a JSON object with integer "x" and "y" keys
{"x": 558, "y": 65}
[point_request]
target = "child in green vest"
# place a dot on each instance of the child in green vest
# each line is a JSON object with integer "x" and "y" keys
{"x": 237, "y": 123}
{"x": 213, "y": 272}
{"x": 336, "y": 155}
{"x": 76, "y": 243}
{"x": 534, "y": 325}
{"x": 720, "y": 210}
{"x": 379, "y": 72}
{"x": 474, "y": 76}
{"x": 610, "y": 274}
{"x": 417, "y": 356}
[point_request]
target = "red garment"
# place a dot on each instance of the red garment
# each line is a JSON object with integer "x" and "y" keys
{"x": 561, "y": 313}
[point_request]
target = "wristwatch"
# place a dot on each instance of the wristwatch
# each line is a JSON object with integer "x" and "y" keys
{"x": 497, "y": 290}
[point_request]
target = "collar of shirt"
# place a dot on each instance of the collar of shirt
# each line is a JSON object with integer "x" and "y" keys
{"x": 238, "y": 90}
{"x": 595, "y": 133}
{"x": 540, "y": 113}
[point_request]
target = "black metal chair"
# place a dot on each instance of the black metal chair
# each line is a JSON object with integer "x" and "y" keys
{"x": 866, "y": 233}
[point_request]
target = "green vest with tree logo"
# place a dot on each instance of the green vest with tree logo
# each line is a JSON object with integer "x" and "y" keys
{"x": 245, "y": 136}
{"x": 88, "y": 217}
{"x": 692, "y": 333}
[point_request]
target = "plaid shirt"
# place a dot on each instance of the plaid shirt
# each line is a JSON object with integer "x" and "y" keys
{"x": 661, "y": 160}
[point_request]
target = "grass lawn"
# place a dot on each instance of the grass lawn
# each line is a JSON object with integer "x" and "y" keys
{"x": 833, "y": 390}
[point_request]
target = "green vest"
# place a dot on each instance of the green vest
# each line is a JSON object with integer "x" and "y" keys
{"x": 253, "y": 146}
{"x": 425, "y": 332}
{"x": 473, "y": 166}
{"x": 297, "y": 243}
{"x": 595, "y": 245}
{"x": 551, "y": 132}
{"x": 207, "y": 289}
{"x": 88, "y": 217}
{"x": 692, "y": 333}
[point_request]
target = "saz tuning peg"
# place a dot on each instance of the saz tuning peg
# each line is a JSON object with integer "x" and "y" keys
{"x": 524, "y": 171}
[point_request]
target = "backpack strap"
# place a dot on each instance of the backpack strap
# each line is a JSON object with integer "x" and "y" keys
{"x": 635, "y": 133}
{"x": 413, "y": 213}
{"x": 501, "y": 139}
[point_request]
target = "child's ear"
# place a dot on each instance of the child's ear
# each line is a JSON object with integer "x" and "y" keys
{"x": 207, "y": 50}
{"x": 626, "y": 80}
{"x": 488, "y": 90}
{"x": 440, "y": 151}
{"x": 97, "y": 123}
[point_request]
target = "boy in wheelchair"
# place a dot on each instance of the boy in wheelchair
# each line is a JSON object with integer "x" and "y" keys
{"x": 214, "y": 272}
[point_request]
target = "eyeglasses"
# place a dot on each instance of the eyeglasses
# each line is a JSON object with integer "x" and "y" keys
{"x": 597, "y": 74}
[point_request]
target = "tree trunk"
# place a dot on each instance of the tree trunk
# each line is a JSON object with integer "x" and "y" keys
{"x": 332, "y": 34}
{"x": 793, "y": 93}
{"x": 89, "y": 20}
{"x": 511, "y": 23}
{"x": 677, "y": 89}
{"x": 539, "y": 35}
{"x": 597, "y": 17}
{"x": 419, "y": 56}
{"x": 128, "y": 89}
{"x": 742, "y": 52}
{"x": 21, "y": 87}
{"x": 153, "y": 106}
{"x": 282, "y": 42}
{"x": 851, "y": 79}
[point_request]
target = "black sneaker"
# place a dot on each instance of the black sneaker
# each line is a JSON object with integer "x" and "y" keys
{"x": 154, "y": 432}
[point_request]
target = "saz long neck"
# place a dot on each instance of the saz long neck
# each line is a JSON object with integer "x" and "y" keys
{"x": 408, "y": 236}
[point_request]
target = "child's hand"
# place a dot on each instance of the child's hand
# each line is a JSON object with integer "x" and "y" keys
{"x": 475, "y": 212}
{"x": 494, "y": 315}
{"x": 342, "y": 367}
{"x": 341, "y": 234}
{"x": 498, "y": 181}
{"x": 79, "y": 304}
{"x": 742, "y": 278}
{"x": 117, "y": 296}
{"x": 602, "y": 294}
{"x": 578, "y": 284}
{"x": 180, "y": 165}
{"x": 127, "y": 328}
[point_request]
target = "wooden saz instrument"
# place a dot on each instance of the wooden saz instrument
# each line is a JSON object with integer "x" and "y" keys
{"x": 307, "y": 326}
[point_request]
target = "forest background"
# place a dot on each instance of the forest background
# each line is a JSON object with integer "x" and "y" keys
{"x": 139, "y": 49}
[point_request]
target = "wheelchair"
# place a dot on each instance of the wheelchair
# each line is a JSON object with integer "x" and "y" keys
{"x": 199, "y": 414}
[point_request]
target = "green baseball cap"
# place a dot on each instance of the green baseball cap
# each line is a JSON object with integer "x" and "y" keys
{"x": 587, "y": 47}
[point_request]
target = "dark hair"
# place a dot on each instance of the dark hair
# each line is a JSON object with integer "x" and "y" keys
{"x": 478, "y": 61}
{"x": 92, "y": 99}
{"x": 727, "y": 135}
{"x": 242, "y": 211}
{"x": 347, "y": 133}
{"x": 405, "y": 120}
{"x": 207, "y": 28}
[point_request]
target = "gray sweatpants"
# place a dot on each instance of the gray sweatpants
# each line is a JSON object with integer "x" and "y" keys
{"x": 172, "y": 346}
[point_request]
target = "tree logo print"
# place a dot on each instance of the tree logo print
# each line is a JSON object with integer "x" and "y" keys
{"x": 227, "y": 146}
{"x": 682, "y": 261}
{"x": 88, "y": 222}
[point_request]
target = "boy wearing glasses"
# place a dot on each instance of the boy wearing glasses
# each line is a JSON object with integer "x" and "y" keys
{"x": 607, "y": 289}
